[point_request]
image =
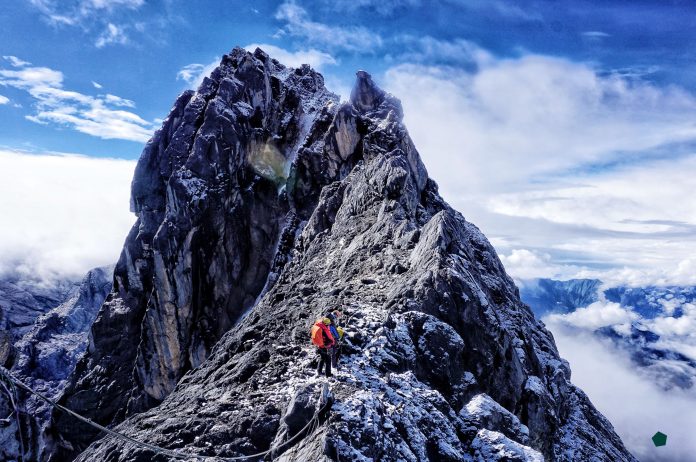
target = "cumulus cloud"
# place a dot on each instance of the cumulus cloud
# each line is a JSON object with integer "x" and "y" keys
{"x": 99, "y": 116}
{"x": 316, "y": 59}
{"x": 634, "y": 404}
{"x": 527, "y": 264}
{"x": 4, "y": 100}
{"x": 662, "y": 273}
{"x": 64, "y": 214}
{"x": 557, "y": 158}
{"x": 596, "y": 315}
{"x": 517, "y": 119}
{"x": 333, "y": 37}
{"x": 634, "y": 218}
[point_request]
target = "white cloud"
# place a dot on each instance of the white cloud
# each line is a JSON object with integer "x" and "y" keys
{"x": 118, "y": 101}
{"x": 351, "y": 38}
{"x": 635, "y": 218}
{"x": 501, "y": 8}
{"x": 95, "y": 17}
{"x": 316, "y": 59}
{"x": 651, "y": 269}
{"x": 58, "y": 12}
{"x": 430, "y": 50}
{"x": 685, "y": 325}
{"x": 193, "y": 74}
{"x": 96, "y": 85}
{"x": 110, "y": 4}
{"x": 596, "y": 315}
{"x": 526, "y": 264}
{"x": 75, "y": 218}
{"x": 382, "y": 7}
{"x": 633, "y": 403}
{"x": 15, "y": 61}
{"x": 595, "y": 34}
{"x": 4, "y": 100}
{"x": 97, "y": 116}
{"x": 556, "y": 158}
{"x": 112, "y": 34}
{"x": 610, "y": 199}
{"x": 31, "y": 77}
{"x": 338, "y": 85}
{"x": 516, "y": 119}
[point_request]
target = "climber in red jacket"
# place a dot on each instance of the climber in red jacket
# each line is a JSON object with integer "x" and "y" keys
{"x": 324, "y": 341}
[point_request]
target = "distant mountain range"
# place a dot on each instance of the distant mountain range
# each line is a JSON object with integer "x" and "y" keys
{"x": 656, "y": 334}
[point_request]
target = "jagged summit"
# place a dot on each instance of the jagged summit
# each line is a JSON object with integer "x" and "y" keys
{"x": 262, "y": 202}
{"x": 365, "y": 95}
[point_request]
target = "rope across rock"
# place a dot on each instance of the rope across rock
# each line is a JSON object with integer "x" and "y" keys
{"x": 314, "y": 421}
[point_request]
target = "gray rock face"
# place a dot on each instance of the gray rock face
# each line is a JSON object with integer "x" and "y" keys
{"x": 217, "y": 206}
{"x": 22, "y": 301}
{"x": 44, "y": 358}
{"x": 262, "y": 204}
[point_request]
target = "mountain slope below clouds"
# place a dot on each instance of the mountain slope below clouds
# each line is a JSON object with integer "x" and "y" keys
{"x": 653, "y": 324}
{"x": 45, "y": 356}
{"x": 22, "y": 301}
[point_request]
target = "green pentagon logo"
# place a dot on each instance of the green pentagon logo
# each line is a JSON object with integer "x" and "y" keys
{"x": 659, "y": 439}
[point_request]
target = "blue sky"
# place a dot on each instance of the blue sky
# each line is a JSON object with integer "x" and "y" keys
{"x": 565, "y": 130}
{"x": 135, "y": 48}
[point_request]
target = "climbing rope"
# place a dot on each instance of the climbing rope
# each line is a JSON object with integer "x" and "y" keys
{"x": 156, "y": 449}
{"x": 14, "y": 401}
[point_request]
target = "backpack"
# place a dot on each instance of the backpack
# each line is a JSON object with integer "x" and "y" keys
{"x": 317, "y": 336}
{"x": 334, "y": 333}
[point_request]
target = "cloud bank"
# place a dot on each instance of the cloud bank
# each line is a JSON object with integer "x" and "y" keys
{"x": 632, "y": 402}
{"x": 64, "y": 214}
{"x": 570, "y": 171}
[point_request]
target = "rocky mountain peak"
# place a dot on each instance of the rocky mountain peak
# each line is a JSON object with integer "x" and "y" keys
{"x": 366, "y": 95}
{"x": 262, "y": 202}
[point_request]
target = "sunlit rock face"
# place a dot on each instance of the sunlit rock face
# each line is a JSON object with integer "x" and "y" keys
{"x": 262, "y": 203}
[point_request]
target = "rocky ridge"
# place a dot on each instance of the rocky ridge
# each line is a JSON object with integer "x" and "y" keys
{"x": 263, "y": 202}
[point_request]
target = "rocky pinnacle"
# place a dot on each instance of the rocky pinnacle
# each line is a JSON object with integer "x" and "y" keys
{"x": 263, "y": 202}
